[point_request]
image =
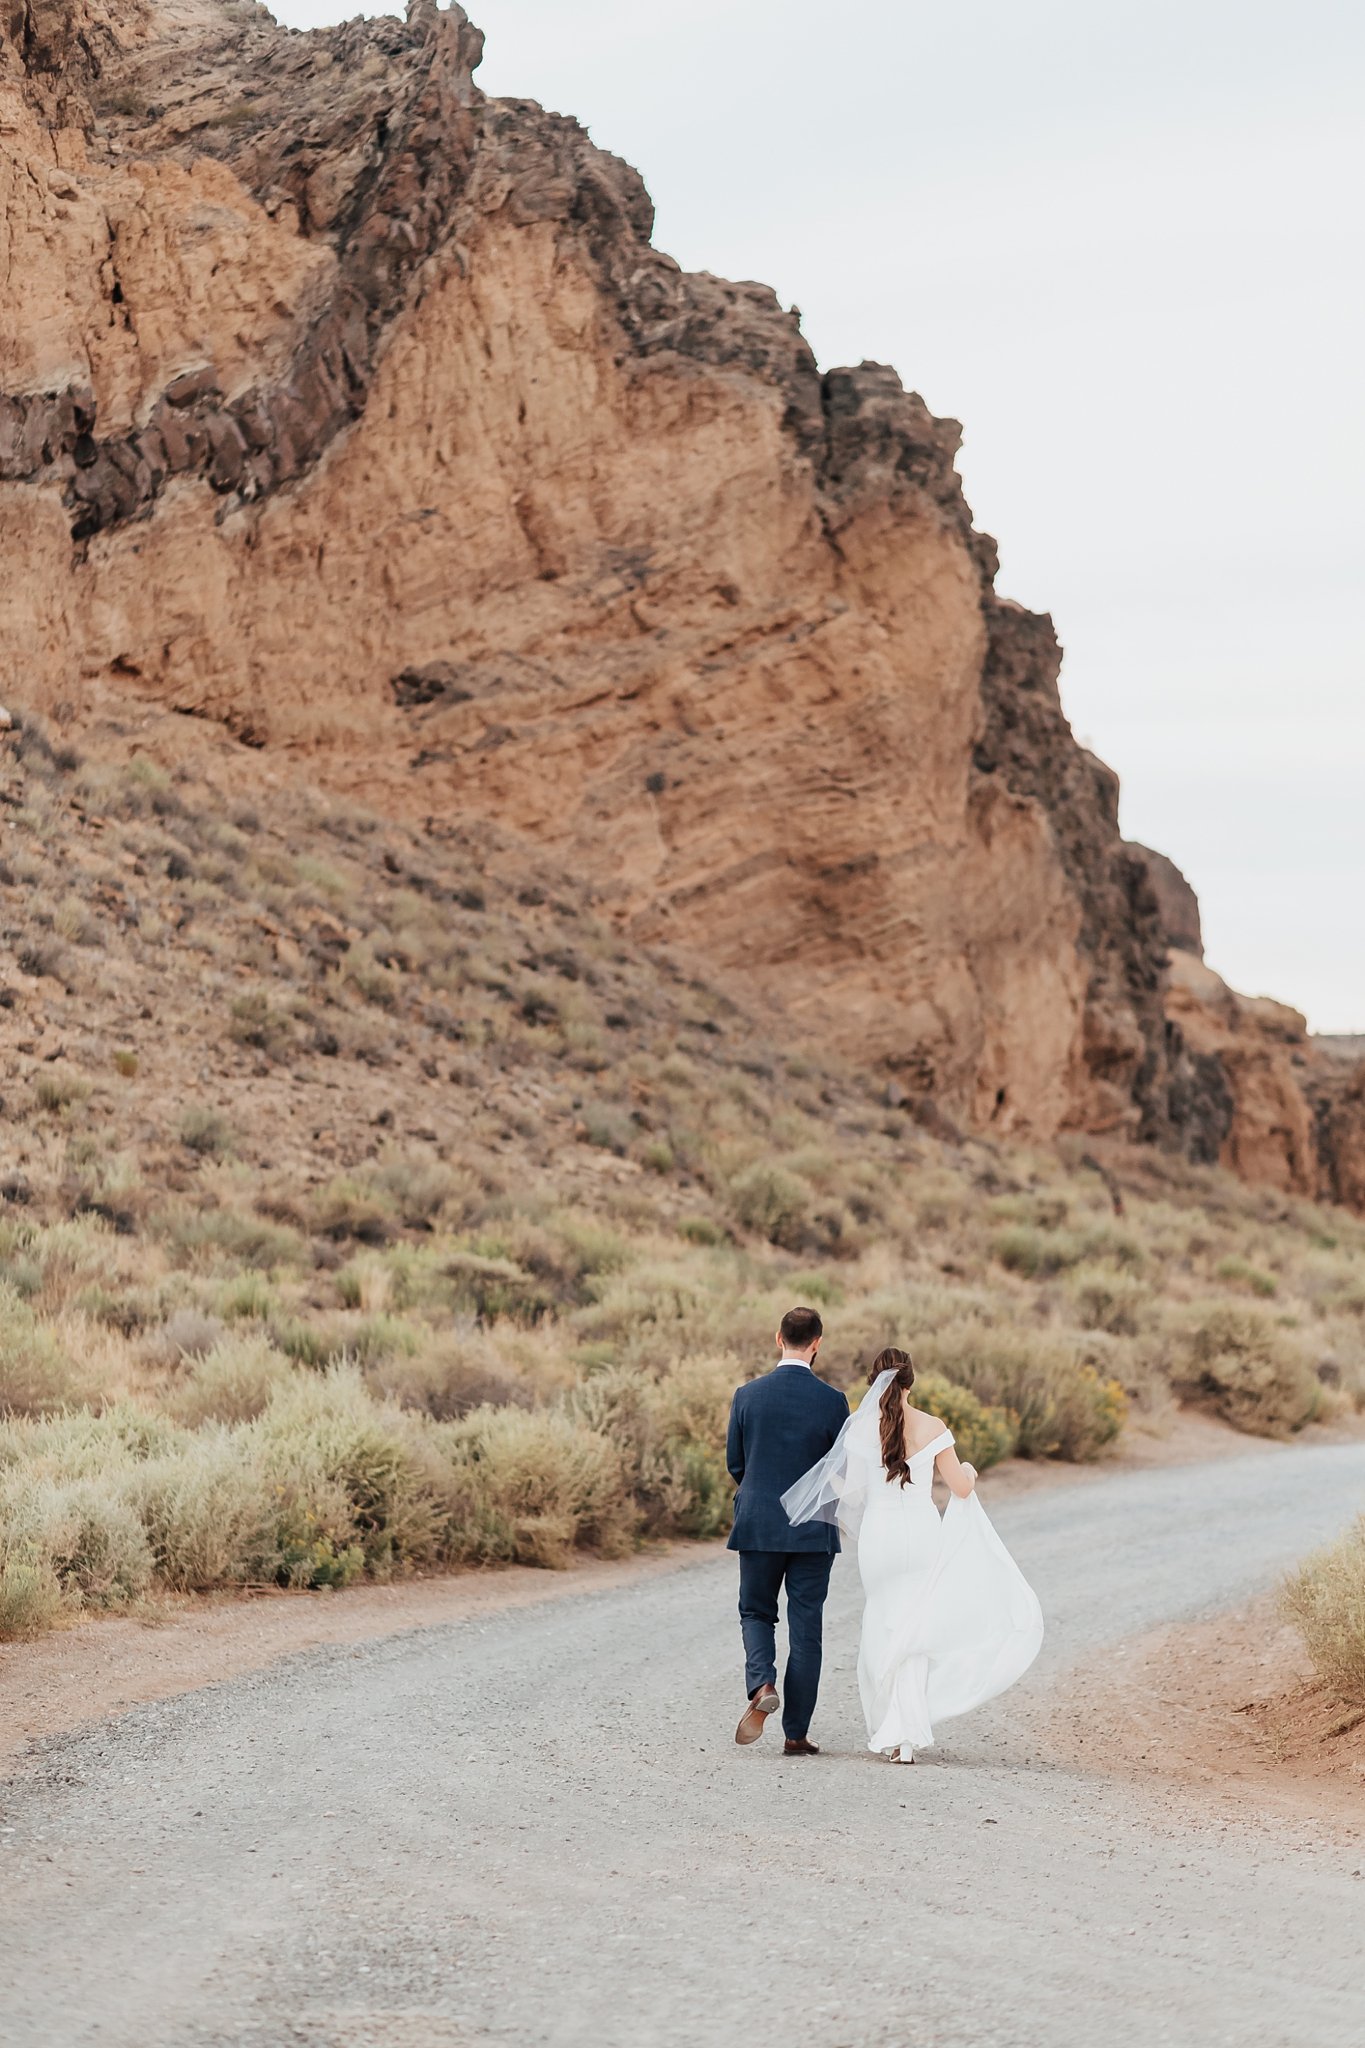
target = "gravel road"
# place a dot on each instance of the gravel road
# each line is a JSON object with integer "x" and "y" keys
{"x": 535, "y": 1828}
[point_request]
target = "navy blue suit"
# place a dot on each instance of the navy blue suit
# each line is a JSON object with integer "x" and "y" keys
{"x": 780, "y": 1426}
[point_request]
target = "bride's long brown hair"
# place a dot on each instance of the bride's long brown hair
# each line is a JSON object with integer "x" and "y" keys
{"x": 893, "y": 1408}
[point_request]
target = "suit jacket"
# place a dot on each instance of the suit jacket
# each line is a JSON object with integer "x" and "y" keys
{"x": 780, "y": 1426}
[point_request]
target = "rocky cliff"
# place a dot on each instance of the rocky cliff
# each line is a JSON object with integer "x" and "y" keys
{"x": 356, "y": 412}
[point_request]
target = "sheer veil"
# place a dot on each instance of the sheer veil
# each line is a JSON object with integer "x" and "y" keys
{"x": 836, "y": 1490}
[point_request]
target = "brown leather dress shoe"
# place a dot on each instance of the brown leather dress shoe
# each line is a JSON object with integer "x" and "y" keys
{"x": 800, "y": 1747}
{"x": 763, "y": 1703}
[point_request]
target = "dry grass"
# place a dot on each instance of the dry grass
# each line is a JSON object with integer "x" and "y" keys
{"x": 1326, "y": 1600}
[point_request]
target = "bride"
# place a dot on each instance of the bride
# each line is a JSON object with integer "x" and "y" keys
{"x": 950, "y": 1620}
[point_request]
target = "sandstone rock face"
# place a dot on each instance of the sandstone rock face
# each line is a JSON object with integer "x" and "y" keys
{"x": 357, "y": 412}
{"x": 1177, "y": 904}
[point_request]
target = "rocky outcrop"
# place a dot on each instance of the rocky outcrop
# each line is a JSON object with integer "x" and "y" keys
{"x": 1176, "y": 903}
{"x": 357, "y": 412}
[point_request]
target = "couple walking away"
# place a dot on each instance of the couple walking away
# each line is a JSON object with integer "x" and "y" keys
{"x": 949, "y": 1619}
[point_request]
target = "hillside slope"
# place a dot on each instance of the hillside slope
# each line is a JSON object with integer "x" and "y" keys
{"x": 356, "y": 412}
{"x": 368, "y": 1203}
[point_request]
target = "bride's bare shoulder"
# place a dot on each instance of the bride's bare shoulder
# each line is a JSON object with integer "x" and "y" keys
{"x": 925, "y": 1426}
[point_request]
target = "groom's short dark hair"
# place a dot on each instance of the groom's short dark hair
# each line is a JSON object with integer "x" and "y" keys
{"x": 800, "y": 1327}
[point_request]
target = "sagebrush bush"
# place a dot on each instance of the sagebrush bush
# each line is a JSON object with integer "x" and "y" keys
{"x": 1246, "y": 1365}
{"x": 1037, "y": 1252}
{"x": 59, "y": 1088}
{"x": 88, "y": 1536}
{"x": 206, "y": 1130}
{"x": 206, "y": 1238}
{"x": 772, "y": 1204}
{"x": 37, "y": 1373}
{"x": 1109, "y": 1298}
{"x": 231, "y": 1382}
{"x": 351, "y": 1208}
{"x": 982, "y": 1435}
{"x": 328, "y": 1428}
{"x": 30, "y": 1591}
{"x": 1238, "y": 1270}
{"x": 529, "y": 1487}
{"x": 670, "y": 1431}
{"x": 186, "y": 1333}
{"x": 210, "y": 1514}
{"x": 1325, "y": 1599}
{"x": 492, "y": 1287}
{"x": 449, "y": 1375}
{"x": 1061, "y": 1407}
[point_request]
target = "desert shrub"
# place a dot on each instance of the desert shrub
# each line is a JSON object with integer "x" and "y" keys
{"x": 1246, "y": 1365}
{"x": 248, "y": 1297}
{"x": 692, "y": 1405}
{"x": 1240, "y": 1272}
{"x": 1060, "y": 1405}
{"x": 206, "y": 1130}
{"x": 821, "y": 1287}
{"x": 374, "y": 1338}
{"x": 253, "y": 1020}
{"x": 83, "y": 1444}
{"x": 377, "y": 982}
{"x": 1339, "y": 1343}
{"x": 423, "y": 1189}
{"x": 449, "y": 1375}
{"x": 560, "y": 1252}
{"x": 773, "y": 1204}
{"x": 37, "y": 1373}
{"x": 658, "y": 1307}
{"x": 983, "y": 1435}
{"x": 80, "y": 1253}
{"x": 607, "y": 1127}
{"x": 1038, "y": 1252}
{"x": 58, "y": 1089}
{"x": 186, "y": 1333}
{"x": 347, "y": 1208}
{"x": 1334, "y": 1279}
{"x": 365, "y": 1283}
{"x": 670, "y": 1432}
{"x": 88, "y": 1535}
{"x": 327, "y": 1427}
{"x": 1107, "y": 1298}
{"x": 233, "y": 1382}
{"x": 533, "y": 1486}
{"x": 702, "y": 1230}
{"x": 492, "y": 1287}
{"x": 306, "y": 1342}
{"x": 584, "y": 1246}
{"x": 1325, "y": 1599}
{"x": 31, "y": 1597}
{"x": 210, "y": 1513}
{"x": 206, "y": 1237}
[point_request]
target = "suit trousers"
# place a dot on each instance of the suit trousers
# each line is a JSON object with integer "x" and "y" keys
{"x": 762, "y": 1574}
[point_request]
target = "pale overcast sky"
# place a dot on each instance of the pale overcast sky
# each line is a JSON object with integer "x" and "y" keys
{"x": 1121, "y": 243}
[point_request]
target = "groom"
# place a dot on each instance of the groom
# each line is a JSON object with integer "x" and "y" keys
{"x": 780, "y": 1426}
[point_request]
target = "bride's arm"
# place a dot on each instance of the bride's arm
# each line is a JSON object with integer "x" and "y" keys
{"x": 959, "y": 1479}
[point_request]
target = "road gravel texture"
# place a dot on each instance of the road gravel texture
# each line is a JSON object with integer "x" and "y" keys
{"x": 535, "y": 1828}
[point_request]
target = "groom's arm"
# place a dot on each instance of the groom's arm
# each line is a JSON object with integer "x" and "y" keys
{"x": 734, "y": 1443}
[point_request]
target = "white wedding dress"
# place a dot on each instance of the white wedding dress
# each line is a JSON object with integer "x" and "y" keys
{"x": 950, "y": 1619}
